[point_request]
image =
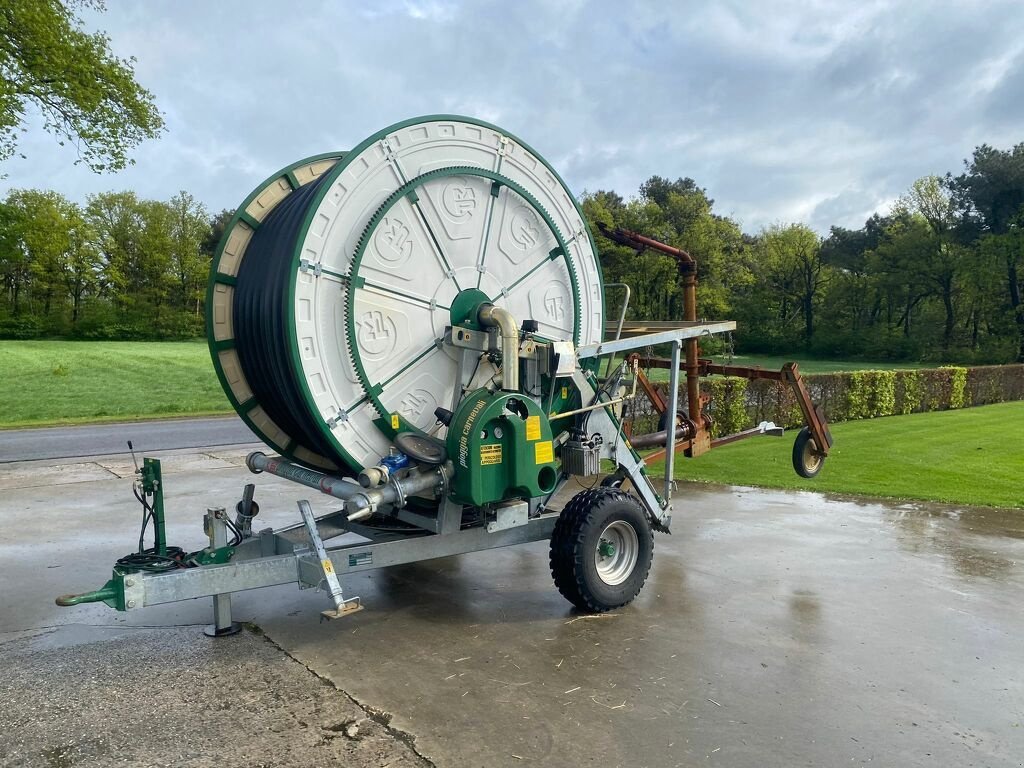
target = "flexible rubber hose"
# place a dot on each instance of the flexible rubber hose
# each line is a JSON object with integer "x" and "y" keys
{"x": 261, "y": 309}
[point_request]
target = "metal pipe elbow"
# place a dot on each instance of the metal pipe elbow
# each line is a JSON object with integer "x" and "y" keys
{"x": 502, "y": 319}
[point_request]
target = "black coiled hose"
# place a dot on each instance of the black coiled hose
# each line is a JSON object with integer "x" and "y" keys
{"x": 261, "y": 308}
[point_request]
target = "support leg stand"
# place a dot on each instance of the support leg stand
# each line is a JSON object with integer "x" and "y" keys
{"x": 342, "y": 607}
{"x": 222, "y": 624}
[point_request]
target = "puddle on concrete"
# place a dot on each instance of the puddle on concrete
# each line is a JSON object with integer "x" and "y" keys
{"x": 976, "y": 543}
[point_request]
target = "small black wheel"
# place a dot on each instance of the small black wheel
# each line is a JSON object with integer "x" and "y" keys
{"x": 613, "y": 481}
{"x": 601, "y": 550}
{"x": 422, "y": 448}
{"x": 807, "y": 460}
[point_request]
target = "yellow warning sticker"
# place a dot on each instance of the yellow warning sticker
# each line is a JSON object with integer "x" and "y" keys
{"x": 565, "y": 393}
{"x": 533, "y": 427}
{"x": 328, "y": 566}
{"x": 543, "y": 453}
{"x": 394, "y": 421}
{"x": 490, "y": 454}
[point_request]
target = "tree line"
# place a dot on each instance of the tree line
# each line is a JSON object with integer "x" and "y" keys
{"x": 117, "y": 267}
{"x": 936, "y": 277}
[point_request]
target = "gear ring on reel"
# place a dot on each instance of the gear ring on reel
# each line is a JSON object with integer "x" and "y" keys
{"x": 329, "y": 417}
{"x": 411, "y": 380}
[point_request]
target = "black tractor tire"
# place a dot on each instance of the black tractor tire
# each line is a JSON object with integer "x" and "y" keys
{"x": 601, "y": 550}
{"x": 806, "y": 460}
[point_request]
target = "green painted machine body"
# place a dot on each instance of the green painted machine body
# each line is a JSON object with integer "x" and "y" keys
{"x": 501, "y": 445}
{"x": 152, "y": 485}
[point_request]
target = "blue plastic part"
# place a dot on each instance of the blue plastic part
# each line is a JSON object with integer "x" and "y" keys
{"x": 395, "y": 462}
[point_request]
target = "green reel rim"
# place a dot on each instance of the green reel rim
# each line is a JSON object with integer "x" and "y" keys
{"x": 216, "y": 346}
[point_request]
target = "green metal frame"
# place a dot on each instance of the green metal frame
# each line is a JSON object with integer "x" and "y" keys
{"x": 113, "y": 592}
{"x": 152, "y": 485}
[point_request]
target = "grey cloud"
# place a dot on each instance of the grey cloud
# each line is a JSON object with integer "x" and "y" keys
{"x": 785, "y": 111}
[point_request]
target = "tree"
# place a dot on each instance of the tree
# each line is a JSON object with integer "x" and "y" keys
{"x": 49, "y": 252}
{"x": 855, "y": 303}
{"x": 678, "y": 213}
{"x": 790, "y": 267}
{"x": 82, "y": 267}
{"x": 116, "y": 221}
{"x": 155, "y": 258}
{"x": 217, "y": 226}
{"x": 40, "y": 234}
{"x": 86, "y": 94}
{"x": 991, "y": 194}
{"x": 14, "y": 262}
{"x": 992, "y": 187}
{"x": 652, "y": 276}
{"x": 901, "y": 263}
{"x": 939, "y": 256}
{"x": 190, "y": 228}
{"x": 717, "y": 244}
{"x": 657, "y": 189}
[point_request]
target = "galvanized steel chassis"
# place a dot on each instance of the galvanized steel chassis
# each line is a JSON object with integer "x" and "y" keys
{"x": 298, "y": 553}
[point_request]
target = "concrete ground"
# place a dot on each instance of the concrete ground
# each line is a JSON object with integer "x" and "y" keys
{"x": 777, "y": 629}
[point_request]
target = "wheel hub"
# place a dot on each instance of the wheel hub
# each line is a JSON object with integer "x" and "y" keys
{"x": 617, "y": 552}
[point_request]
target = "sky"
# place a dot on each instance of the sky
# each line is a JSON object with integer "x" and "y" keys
{"x": 815, "y": 111}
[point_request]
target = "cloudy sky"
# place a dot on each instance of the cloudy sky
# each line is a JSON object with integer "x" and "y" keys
{"x": 813, "y": 111}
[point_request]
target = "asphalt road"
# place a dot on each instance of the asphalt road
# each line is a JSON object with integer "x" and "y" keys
{"x": 107, "y": 439}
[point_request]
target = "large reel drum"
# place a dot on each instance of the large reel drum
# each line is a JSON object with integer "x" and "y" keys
{"x": 332, "y": 287}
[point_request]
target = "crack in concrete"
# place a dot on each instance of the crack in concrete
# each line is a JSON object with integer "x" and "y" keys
{"x": 106, "y": 469}
{"x": 379, "y": 716}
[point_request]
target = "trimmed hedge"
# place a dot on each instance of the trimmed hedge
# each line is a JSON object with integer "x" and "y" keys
{"x": 736, "y": 403}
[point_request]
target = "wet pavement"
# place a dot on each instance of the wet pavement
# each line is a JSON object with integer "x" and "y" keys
{"x": 777, "y": 629}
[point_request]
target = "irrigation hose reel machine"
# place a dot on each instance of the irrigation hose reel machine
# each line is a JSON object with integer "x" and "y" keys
{"x": 416, "y": 328}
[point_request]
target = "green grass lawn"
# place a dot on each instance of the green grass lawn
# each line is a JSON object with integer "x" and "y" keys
{"x": 969, "y": 456}
{"x": 63, "y": 382}
{"x": 807, "y": 365}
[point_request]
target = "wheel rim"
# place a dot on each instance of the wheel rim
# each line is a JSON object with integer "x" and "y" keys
{"x": 812, "y": 459}
{"x": 618, "y": 549}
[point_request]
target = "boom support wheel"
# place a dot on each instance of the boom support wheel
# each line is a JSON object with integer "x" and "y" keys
{"x": 807, "y": 459}
{"x": 601, "y": 550}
